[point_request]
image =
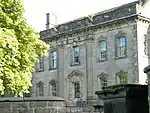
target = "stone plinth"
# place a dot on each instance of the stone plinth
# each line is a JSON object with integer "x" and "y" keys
{"x": 129, "y": 98}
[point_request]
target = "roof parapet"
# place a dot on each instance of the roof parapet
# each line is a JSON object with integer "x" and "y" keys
{"x": 143, "y": 2}
{"x": 116, "y": 13}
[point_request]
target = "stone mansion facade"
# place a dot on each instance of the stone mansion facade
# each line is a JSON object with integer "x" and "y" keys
{"x": 107, "y": 48}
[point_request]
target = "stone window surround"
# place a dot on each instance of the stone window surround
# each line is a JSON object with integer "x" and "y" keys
{"x": 118, "y": 77}
{"x": 41, "y": 64}
{"x": 40, "y": 89}
{"x": 103, "y": 82}
{"x": 71, "y": 96}
{"x": 120, "y": 45}
{"x": 101, "y": 38}
{"x": 50, "y": 55}
{"x": 72, "y": 55}
{"x": 50, "y": 93}
{"x": 103, "y": 76}
{"x": 73, "y": 77}
{"x": 120, "y": 34}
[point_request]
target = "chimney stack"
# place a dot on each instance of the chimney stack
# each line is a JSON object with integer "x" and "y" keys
{"x": 47, "y": 21}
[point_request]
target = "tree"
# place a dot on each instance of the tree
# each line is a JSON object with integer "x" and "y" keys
{"x": 20, "y": 47}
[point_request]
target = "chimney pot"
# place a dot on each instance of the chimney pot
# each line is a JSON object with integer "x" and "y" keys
{"x": 47, "y": 20}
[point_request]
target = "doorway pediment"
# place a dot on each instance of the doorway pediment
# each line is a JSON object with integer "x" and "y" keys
{"x": 75, "y": 73}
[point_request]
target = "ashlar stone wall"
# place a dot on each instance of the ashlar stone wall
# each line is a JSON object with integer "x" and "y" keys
{"x": 32, "y": 105}
{"x": 41, "y": 105}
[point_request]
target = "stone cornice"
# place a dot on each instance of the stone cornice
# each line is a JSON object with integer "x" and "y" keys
{"x": 143, "y": 19}
{"x": 100, "y": 21}
{"x": 83, "y": 24}
{"x": 87, "y": 34}
{"x": 86, "y": 29}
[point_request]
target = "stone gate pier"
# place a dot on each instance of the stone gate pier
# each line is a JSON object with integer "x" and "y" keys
{"x": 147, "y": 71}
{"x": 127, "y": 98}
{"x": 32, "y": 105}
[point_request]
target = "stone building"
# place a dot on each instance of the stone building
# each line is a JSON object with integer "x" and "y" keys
{"x": 86, "y": 54}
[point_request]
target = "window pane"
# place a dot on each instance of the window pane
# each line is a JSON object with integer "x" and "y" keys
{"x": 53, "y": 85}
{"x": 102, "y": 50}
{"x": 76, "y": 59}
{"x": 55, "y": 63}
{"x": 121, "y": 46}
{"x": 53, "y": 93}
{"x": 102, "y": 45}
{"x": 40, "y": 89}
{"x": 54, "y": 59}
{"x": 103, "y": 55}
{"x": 122, "y": 42}
{"x": 41, "y": 63}
{"x": 103, "y": 82}
{"x": 123, "y": 78}
{"x": 122, "y": 51}
{"x": 77, "y": 90}
{"x": 54, "y": 55}
{"x": 76, "y": 51}
{"x": 76, "y": 54}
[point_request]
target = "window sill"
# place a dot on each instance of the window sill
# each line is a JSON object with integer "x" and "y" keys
{"x": 102, "y": 60}
{"x": 53, "y": 68}
{"x": 40, "y": 70}
{"x": 77, "y": 98}
{"x": 75, "y": 64}
{"x": 120, "y": 57}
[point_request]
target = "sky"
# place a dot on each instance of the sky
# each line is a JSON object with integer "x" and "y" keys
{"x": 64, "y": 10}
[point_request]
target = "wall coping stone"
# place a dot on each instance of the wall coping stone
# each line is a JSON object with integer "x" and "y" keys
{"x": 121, "y": 91}
{"x": 22, "y": 99}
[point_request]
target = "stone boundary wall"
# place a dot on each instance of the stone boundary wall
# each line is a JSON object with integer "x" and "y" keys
{"x": 32, "y": 105}
{"x": 40, "y": 105}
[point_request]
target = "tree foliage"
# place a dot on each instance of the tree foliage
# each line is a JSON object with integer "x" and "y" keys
{"x": 19, "y": 48}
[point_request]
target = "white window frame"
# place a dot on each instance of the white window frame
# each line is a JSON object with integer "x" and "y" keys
{"x": 121, "y": 46}
{"x": 102, "y": 50}
{"x": 119, "y": 76}
{"x": 52, "y": 88}
{"x": 41, "y": 63}
{"x": 53, "y": 60}
{"x": 77, "y": 91}
{"x": 123, "y": 81}
{"x": 74, "y": 55}
{"x": 104, "y": 82}
{"x": 40, "y": 89}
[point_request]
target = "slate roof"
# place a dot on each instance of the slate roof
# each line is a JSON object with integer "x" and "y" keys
{"x": 114, "y": 14}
